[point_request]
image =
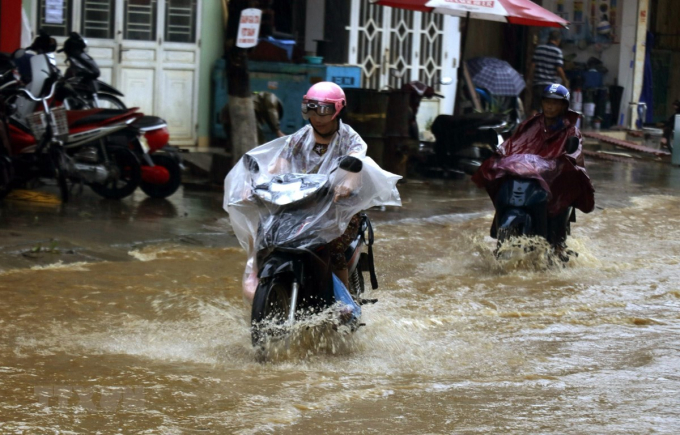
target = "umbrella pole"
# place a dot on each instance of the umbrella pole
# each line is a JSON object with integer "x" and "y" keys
{"x": 459, "y": 81}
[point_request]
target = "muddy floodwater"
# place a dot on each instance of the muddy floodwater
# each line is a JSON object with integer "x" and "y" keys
{"x": 156, "y": 340}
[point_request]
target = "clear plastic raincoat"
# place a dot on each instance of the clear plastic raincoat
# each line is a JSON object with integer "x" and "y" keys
{"x": 265, "y": 211}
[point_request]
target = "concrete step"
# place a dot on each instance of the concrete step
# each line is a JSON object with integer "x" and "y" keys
{"x": 206, "y": 167}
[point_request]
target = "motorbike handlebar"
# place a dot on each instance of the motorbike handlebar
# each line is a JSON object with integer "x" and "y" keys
{"x": 8, "y": 84}
{"x": 38, "y": 99}
{"x": 500, "y": 126}
{"x": 28, "y": 93}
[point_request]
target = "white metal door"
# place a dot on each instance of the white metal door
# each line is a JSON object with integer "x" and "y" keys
{"x": 148, "y": 49}
{"x": 158, "y": 69}
{"x": 415, "y": 45}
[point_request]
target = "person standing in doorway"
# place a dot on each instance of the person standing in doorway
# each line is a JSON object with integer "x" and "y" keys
{"x": 547, "y": 67}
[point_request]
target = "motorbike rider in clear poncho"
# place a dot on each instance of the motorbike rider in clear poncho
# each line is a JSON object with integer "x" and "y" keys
{"x": 316, "y": 148}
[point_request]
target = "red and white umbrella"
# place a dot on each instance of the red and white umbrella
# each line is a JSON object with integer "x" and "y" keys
{"x": 524, "y": 12}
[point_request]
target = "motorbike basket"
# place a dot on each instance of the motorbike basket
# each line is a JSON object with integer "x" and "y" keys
{"x": 38, "y": 123}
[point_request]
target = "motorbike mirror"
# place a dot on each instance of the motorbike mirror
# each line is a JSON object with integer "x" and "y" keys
{"x": 446, "y": 80}
{"x": 572, "y": 145}
{"x": 251, "y": 164}
{"x": 351, "y": 164}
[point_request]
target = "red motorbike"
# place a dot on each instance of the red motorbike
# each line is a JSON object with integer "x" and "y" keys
{"x": 69, "y": 146}
{"x": 147, "y": 136}
{"x": 161, "y": 162}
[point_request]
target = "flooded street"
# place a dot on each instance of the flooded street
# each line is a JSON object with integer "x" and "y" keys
{"x": 128, "y": 318}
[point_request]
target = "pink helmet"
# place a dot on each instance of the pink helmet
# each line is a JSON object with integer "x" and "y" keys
{"x": 327, "y": 92}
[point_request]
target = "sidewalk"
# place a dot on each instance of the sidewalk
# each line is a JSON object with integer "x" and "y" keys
{"x": 623, "y": 145}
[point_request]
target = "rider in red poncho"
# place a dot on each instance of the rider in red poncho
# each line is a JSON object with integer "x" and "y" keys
{"x": 544, "y": 135}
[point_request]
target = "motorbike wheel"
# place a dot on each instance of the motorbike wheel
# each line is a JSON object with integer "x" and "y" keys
{"x": 270, "y": 310}
{"x": 504, "y": 234}
{"x": 167, "y": 189}
{"x": 126, "y": 174}
{"x": 108, "y": 101}
{"x": 356, "y": 283}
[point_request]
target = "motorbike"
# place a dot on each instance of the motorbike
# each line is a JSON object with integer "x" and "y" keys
{"x": 295, "y": 278}
{"x": 462, "y": 142}
{"x": 522, "y": 202}
{"x": 65, "y": 145}
{"x": 161, "y": 162}
{"x": 147, "y": 136}
{"x": 83, "y": 76}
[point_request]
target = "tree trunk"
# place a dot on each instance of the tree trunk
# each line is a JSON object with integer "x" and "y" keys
{"x": 241, "y": 111}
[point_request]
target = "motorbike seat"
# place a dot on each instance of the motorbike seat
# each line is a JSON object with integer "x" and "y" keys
{"x": 82, "y": 118}
{"x": 470, "y": 120}
{"x": 147, "y": 122}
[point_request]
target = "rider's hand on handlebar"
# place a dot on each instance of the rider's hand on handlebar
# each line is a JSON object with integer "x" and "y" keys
{"x": 346, "y": 185}
{"x": 341, "y": 191}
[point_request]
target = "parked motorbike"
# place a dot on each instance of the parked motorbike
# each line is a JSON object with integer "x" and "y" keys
{"x": 68, "y": 146}
{"x": 147, "y": 136}
{"x": 83, "y": 76}
{"x": 521, "y": 202}
{"x": 462, "y": 142}
{"x": 295, "y": 278}
{"x": 161, "y": 162}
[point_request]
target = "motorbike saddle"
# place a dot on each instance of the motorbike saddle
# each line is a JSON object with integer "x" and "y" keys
{"x": 82, "y": 118}
{"x": 147, "y": 122}
{"x": 456, "y": 133}
{"x": 467, "y": 121}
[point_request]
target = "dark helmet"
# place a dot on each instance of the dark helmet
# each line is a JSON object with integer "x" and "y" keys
{"x": 74, "y": 44}
{"x": 43, "y": 43}
{"x": 557, "y": 92}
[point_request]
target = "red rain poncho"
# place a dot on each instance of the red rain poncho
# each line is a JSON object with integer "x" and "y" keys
{"x": 534, "y": 152}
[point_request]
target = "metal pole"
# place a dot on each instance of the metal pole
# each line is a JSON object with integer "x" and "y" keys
{"x": 459, "y": 82}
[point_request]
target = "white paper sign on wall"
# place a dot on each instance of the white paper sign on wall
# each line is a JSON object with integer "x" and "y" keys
{"x": 54, "y": 11}
{"x": 248, "y": 28}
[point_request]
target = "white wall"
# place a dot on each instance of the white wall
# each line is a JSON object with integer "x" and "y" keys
{"x": 314, "y": 23}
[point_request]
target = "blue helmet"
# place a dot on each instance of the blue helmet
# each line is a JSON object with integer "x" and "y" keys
{"x": 556, "y": 92}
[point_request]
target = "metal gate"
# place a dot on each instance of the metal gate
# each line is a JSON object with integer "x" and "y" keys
{"x": 393, "y": 46}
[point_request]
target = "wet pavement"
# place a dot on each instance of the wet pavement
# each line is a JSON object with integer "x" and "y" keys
{"x": 127, "y": 317}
